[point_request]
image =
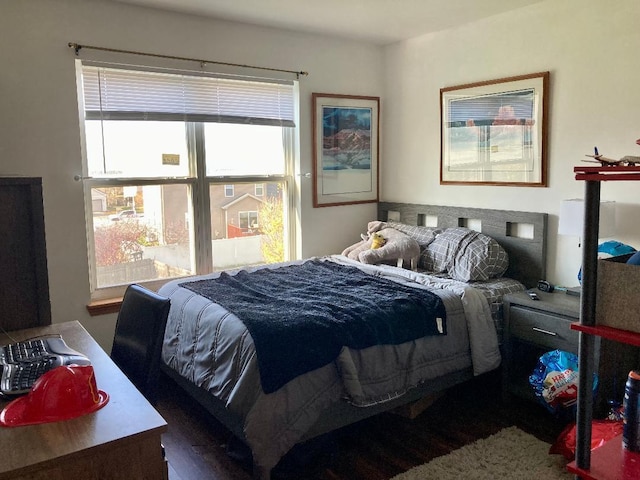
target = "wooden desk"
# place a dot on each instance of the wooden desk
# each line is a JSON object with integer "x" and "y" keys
{"x": 121, "y": 441}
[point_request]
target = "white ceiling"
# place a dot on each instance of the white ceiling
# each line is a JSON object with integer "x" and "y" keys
{"x": 376, "y": 21}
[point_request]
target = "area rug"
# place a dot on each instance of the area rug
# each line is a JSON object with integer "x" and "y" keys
{"x": 509, "y": 454}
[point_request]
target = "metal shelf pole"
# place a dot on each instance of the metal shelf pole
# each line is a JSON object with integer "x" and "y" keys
{"x": 586, "y": 347}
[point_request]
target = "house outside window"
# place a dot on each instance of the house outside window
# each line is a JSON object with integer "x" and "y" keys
{"x": 259, "y": 189}
{"x": 157, "y": 209}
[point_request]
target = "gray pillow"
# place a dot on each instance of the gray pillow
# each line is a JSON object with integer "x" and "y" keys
{"x": 423, "y": 235}
{"x": 466, "y": 255}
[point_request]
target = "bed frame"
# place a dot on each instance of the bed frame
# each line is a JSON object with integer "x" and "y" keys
{"x": 527, "y": 264}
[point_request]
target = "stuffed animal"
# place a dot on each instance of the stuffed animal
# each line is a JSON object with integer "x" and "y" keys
{"x": 397, "y": 249}
{"x": 377, "y": 241}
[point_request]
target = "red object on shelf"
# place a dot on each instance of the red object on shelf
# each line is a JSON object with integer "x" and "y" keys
{"x": 602, "y": 431}
{"x": 616, "y": 334}
{"x": 611, "y": 461}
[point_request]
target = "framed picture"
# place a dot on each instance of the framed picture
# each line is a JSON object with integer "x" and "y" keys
{"x": 345, "y": 149}
{"x": 495, "y": 132}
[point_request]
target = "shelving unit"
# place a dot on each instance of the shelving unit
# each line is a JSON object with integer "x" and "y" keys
{"x": 611, "y": 460}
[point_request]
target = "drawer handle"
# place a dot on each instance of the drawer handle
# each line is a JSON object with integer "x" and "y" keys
{"x": 547, "y": 332}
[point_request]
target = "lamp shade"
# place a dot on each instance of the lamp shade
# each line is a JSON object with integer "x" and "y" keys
{"x": 572, "y": 218}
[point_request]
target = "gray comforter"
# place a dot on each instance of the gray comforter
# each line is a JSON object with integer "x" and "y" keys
{"x": 212, "y": 348}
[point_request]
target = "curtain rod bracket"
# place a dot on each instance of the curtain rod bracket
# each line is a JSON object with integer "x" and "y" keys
{"x": 75, "y": 47}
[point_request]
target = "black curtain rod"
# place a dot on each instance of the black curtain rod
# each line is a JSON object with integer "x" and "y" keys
{"x": 77, "y": 47}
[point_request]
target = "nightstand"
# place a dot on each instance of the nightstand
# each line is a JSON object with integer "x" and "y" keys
{"x": 531, "y": 328}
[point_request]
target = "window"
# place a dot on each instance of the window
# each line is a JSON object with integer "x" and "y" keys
{"x": 248, "y": 220}
{"x": 172, "y": 162}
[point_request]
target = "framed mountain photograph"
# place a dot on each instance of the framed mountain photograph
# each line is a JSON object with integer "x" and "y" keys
{"x": 345, "y": 149}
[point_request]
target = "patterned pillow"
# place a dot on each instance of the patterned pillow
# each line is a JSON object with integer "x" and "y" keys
{"x": 439, "y": 254}
{"x": 465, "y": 254}
{"x": 423, "y": 235}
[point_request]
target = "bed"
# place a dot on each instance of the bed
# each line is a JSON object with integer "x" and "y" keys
{"x": 210, "y": 353}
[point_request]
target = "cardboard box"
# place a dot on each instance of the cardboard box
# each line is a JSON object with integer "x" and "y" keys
{"x": 618, "y": 294}
{"x": 412, "y": 410}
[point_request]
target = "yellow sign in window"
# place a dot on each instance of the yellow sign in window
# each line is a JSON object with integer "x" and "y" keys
{"x": 170, "y": 159}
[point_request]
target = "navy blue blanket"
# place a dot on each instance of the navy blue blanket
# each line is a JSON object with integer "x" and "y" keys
{"x": 300, "y": 316}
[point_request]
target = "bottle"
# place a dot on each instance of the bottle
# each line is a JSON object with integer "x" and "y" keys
{"x": 631, "y": 428}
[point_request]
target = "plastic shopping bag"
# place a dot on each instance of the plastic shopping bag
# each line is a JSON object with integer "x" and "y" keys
{"x": 555, "y": 381}
{"x": 601, "y": 432}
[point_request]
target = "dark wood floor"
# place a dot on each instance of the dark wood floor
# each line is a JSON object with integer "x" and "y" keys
{"x": 374, "y": 449}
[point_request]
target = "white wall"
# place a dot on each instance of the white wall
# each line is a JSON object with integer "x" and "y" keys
{"x": 39, "y": 130}
{"x": 590, "y": 48}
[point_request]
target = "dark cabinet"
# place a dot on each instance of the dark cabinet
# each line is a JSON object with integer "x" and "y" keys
{"x": 24, "y": 282}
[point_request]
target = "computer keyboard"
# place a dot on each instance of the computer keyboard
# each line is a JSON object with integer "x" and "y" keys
{"x": 24, "y": 362}
{"x": 23, "y": 351}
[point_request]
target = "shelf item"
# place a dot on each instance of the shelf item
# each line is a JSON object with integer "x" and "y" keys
{"x": 617, "y": 300}
{"x": 611, "y": 461}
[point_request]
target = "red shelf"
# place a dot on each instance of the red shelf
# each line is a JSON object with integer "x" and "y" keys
{"x": 611, "y": 461}
{"x": 622, "y": 336}
{"x": 622, "y": 173}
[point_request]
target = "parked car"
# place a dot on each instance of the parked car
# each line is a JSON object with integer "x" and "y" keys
{"x": 124, "y": 215}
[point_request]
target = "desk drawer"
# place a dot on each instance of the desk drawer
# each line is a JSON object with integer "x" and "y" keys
{"x": 549, "y": 331}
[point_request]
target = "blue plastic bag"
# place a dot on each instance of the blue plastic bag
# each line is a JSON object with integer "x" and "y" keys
{"x": 610, "y": 248}
{"x": 555, "y": 381}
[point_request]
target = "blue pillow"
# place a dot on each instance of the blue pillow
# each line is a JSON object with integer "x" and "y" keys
{"x": 635, "y": 259}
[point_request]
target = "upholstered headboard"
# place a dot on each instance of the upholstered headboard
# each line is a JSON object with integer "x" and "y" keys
{"x": 522, "y": 234}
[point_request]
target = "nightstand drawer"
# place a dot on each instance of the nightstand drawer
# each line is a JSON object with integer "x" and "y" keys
{"x": 537, "y": 327}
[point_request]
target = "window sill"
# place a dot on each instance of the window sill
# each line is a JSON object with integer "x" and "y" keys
{"x": 104, "y": 307}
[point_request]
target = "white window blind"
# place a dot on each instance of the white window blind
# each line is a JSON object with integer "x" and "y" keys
{"x": 119, "y": 94}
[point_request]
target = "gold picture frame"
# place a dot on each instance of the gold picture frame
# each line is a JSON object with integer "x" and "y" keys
{"x": 495, "y": 132}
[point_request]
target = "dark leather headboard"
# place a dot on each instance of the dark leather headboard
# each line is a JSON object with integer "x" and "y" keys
{"x": 522, "y": 234}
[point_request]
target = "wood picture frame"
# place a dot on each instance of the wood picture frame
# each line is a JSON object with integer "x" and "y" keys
{"x": 345, "y": 149}
{"x": 495, "y": 132}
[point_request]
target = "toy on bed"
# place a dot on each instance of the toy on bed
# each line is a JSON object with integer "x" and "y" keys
{"x": 377, "y": 241}
{"x": 383, "y": 244}
{"x": 463, "y": 254}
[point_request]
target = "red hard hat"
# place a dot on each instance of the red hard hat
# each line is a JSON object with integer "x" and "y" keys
{"x": 60, "y": 394}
